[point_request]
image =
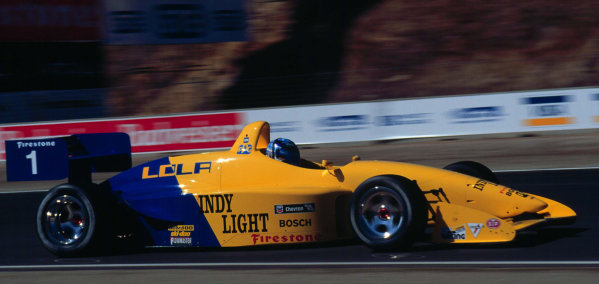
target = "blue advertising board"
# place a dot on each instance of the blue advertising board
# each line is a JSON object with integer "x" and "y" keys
{"x": 174, "y": 22}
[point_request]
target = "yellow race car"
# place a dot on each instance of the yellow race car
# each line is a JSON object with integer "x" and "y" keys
{"x": 261, "y": 193}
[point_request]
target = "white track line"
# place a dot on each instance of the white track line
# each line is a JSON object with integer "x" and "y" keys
{"x": 550, "y": 169}
{"x": 303, "y": 264}
{"x": 24, "y": 191}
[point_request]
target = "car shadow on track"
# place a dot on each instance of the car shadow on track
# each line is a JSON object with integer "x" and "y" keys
{"x": 524, "y": 239}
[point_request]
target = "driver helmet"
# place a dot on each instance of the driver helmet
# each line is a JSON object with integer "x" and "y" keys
{"x": 284, "y": 150}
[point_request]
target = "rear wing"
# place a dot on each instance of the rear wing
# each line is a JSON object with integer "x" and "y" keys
{"x": 75, "y": 157}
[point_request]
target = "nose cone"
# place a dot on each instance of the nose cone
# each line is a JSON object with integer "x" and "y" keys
{"x": 524, "y": 205}
{"x": 502, "y": 201}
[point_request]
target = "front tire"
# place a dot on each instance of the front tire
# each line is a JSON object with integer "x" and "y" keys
{"x": 474, "y": 169}
{"x": 388, "y": 212}
{"x": 67, "y": 220}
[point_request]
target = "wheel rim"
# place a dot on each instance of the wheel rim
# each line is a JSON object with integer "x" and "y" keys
{"x": 65, "y": 220}
{"x": 381, "y": 213}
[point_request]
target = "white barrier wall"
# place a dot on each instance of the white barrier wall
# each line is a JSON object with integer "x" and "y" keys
{"x": 461, "y": 115}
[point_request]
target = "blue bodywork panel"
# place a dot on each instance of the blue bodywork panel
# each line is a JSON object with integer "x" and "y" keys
{"x": 162, "y": 199}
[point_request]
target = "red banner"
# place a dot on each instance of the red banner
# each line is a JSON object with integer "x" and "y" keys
{"x": 50, "y": 20}
{"x": 154, "y": 134}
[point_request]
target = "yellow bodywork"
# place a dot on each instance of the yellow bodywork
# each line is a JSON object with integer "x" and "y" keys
{"x": 250, "y": 199}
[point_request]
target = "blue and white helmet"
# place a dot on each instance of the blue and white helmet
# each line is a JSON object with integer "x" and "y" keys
{"x": 284, "y": 150}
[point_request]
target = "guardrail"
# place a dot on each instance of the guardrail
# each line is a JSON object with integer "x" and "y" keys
{"x": 431, "y": 117}
{"x": 549, "y": 110}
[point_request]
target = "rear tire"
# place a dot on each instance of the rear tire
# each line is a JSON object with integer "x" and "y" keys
{"x": 68, "y": 220}
{"x": 474, "y": 169}
{"x": 388, "y": 212}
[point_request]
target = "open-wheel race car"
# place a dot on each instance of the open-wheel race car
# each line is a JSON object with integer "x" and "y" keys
{"x": 244, "y": 197}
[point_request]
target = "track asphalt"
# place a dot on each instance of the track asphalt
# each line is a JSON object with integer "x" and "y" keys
{"x": 573, "y": 243}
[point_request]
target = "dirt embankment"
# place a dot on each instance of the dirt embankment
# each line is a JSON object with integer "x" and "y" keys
{"x": 320, "y": 51}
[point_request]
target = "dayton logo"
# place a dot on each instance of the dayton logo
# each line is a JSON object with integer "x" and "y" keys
{"x": 548, "y": 110}
{"x": 295, "y": 208}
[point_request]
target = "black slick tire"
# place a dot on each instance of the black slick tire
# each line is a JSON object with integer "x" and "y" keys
{"x": 474, "y": 169}
{"x": 68, "y": 221}
{"x": 388, "y": 212}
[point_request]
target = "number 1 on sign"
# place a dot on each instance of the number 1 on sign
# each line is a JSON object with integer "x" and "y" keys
{"x": 33, "y": 158}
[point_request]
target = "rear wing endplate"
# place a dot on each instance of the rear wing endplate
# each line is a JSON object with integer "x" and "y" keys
{"x": 75, "y": 157}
